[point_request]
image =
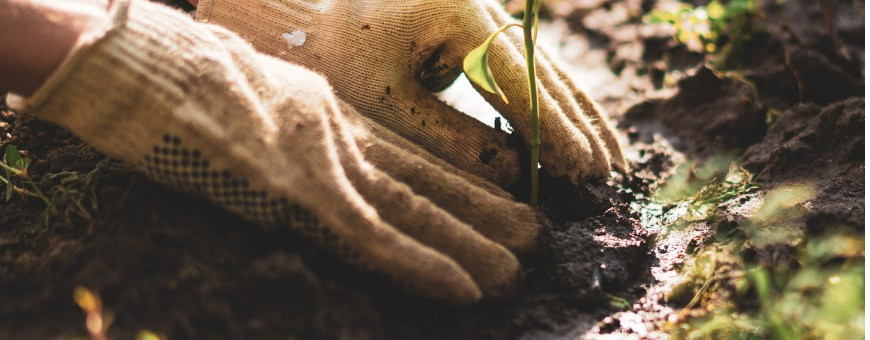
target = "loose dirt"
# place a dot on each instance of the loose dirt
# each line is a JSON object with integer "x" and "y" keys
{"x": 178, "y": 266}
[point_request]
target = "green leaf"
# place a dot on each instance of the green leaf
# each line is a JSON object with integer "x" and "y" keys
{"x": 13, "y": 157}
{"x": 476, "y": 66}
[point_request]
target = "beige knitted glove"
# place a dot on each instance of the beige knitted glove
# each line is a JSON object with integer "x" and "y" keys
{"x": 197, "y": 108}
{"x": 384, "y": 57}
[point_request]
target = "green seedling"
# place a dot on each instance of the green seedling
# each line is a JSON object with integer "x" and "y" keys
{"x": 15, "y": 167}
{"x": 476, "y": 67}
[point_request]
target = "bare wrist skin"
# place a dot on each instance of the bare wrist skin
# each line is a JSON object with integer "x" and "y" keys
{"x": 36, "y": 37}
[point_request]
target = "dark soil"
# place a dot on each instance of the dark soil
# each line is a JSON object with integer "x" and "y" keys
{"x": 178, "y": 266}
{"x": 823, "y": 146}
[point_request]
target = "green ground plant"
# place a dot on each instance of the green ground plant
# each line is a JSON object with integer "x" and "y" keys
{"x": 18, "y": 179}
{"x": 822, "y": 298}
{"x": 817, "y": 292}
{"x": 696, "y": 189}
{"x": 476, "y": 67}
{"x": 70, "y": 195}
{"x": 719, "y": 28}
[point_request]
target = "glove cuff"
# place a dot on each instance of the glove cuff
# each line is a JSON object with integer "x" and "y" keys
{"x": 115, "y": 70}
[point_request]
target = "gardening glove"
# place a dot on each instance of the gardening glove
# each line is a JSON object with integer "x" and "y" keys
{"x": 196, "y": 107}
{"x": 384, "y": 57}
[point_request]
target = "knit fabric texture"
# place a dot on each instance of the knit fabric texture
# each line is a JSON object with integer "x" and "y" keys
{"x": 196, "y": 107}
{"x": 386, "y": 57}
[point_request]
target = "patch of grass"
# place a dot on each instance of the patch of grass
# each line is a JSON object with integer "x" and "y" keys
{"x": 69, "y": 195}
{"x": 820, "y": 298}
{"x": 815, "y": 291}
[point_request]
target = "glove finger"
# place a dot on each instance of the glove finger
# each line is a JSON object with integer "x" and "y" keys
{"x": 336, "y": 218}
{"x": 453, "y": 136}
{"x": 387, "y": 136}
{"x": 586, "y": 105}
{"x": 365, "y": 240}
{"x": 494, "y": 269}
{"x": 364, "y": 231}
{"x": 511, "y": 224}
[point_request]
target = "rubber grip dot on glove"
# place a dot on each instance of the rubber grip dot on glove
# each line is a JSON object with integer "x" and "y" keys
{"x": 186, "y": 169}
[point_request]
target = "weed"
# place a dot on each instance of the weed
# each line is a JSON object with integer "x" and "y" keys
{"x": 15, "y": 167}
{"x": 819, "y": 299}
{"x": 696, "y": 189}
{"x": 70, "y": 195}
{"x": 816, "y": 293}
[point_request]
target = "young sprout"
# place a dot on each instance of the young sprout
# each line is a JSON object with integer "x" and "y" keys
{"x": 476, "y": 67}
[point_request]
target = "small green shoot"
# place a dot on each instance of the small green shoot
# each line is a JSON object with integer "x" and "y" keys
{"x": 16, "y": 161}
{"x": 16, "y": 166}
{"x": 476, "y": 67}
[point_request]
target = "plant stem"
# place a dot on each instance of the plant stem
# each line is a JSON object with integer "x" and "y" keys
{"x": 529, "y": 22}
{"x": 13, "y": 171}
{"x": 38, "y": 193}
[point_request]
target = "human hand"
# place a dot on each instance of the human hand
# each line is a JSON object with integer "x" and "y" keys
{"x": 384, "y": 57}
{"x": 198, "y": 109}
{"x": 36, "y": 36}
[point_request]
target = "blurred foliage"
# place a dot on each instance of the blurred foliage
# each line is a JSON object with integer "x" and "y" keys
{"x": 815, "y": 291}
{"x": 720, "y": 27}
{"x": 820, "y": 299}
{"x": 97, "y": 320}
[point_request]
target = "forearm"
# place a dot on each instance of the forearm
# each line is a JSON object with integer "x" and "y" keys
{"x": 36, "y": 36}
